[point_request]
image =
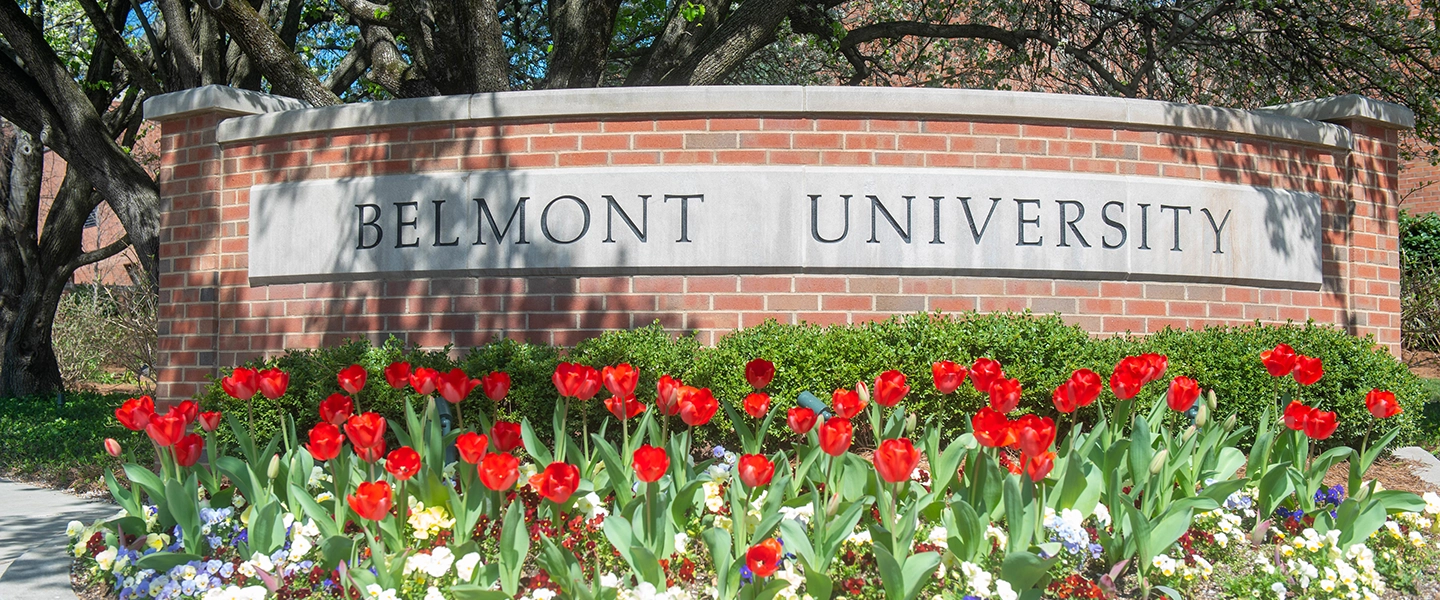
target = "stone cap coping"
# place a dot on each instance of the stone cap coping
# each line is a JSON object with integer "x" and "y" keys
{"x": 1350, "y": 107}
{"x": 285, "y": 117}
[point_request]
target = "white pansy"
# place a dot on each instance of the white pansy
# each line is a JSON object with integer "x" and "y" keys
{"x": 802, "y": 513}
{"x": 976, "y": 578}
{"x": 681, "y": 541}
{"x": 74, "y": 528}
{"x": 543, "y": 594}
{"x": 591, "y": 505}
{"x": 106, "y": 558}
{"x": 1003, "y": 591}
{"x": 859, "y": 538}
{"x": 433, "y": 593}
{"x": 938, "y": 537}
{"x": 1432, "y": 503}
{"x": 300, "y": 547}
{"x": 1102, "y": 515}
{"x": 1221, "y": 540}
{"x": 609, "y": 580}
{"x": 465, "y": 567}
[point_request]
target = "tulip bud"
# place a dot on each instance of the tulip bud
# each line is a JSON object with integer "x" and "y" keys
{"x": 112, "y": 447}
{"x": 1229, "y": 423}
{"x": 834, "y": 506}
{"x": 1210, "y": 400}
{"x": 1202, "y": 416}
{"x": 1158, "y": 463}
{"x": 1187, "y": 434}
{"x": 274, "y": 470}
{"x": 910, "y": 424}
{"x": 863, "y": 391}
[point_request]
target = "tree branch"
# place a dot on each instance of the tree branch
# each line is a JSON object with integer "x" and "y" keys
{"x": 138, "y": 70}
{"x": 181, "y": 43}
{"x": 582, "y": 30}
{"x": 370, "y": 13}
{"x": 288, "y": 74}
{"x": 1013, "y": 40}
{"x": 750, "y": 28}
{"x": 98, "y": 254}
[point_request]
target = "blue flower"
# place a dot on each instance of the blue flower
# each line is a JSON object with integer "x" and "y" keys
{"x": 746, "y": 575}
{"x": 718, "y": 451}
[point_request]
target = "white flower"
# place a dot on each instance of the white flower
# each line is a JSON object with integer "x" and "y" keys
{"x": 998, "y": 534}
{"x": 79, "y": 549}
{"x": 591, "y": 505}
{"x": 802, "y": 513}
{"x": 543, "y": 594}
{"x": 860, "y": 538}
{"x": 106, "y": 558}
{"x": 375, "y": 591}
{"x": 1432, "y": 503}
{"x": 1004, "y": 591}
{"x": 609, "y": 580}
{"x": 714, "y": 500}
{"x": 1221, "y": 540}
{"x": 527, "y": 471}
{"x": 976, "y": 578}
{"x": 433, "y": 593}
{"x": 300, "y": 547}
{"x": 681, "y": 541}
{"x": 465, "y": 567}
{"x": 1278, "y": 588}
{"x": 1102, "y": 515}
{"x": 74, "y": 528}
{"x": 938, "y": 537}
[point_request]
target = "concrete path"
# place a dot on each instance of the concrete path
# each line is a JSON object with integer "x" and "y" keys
{"x": 34, "y": 563}
{"x": 1422, "y": 463}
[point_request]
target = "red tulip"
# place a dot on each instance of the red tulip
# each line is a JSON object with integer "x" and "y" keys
{"x": 1382, "y": 404}
{"x": 667, "y": 395}
{"x": 624, "y": 407}
{"x": 397, "y": 374}
{"x": 620, "y": 379}
{"x": 992, "y": 429}
{"x": 948, "y": 376}
{"x": 209, "y": 421}
{"x": 650, "y": 463}
{"x": 112, "y": 447}
{"x": 589, "y": 383}
{"x": 895, "y": 459}
{"x": 499, "y": 471}
{"x": 166, "y": 429}
{"x": 557, "y": 482}
{"x": 472, "y": 447}
{"x": 835, "y": 434}
{"x": 496, "y": 385}
{"x": 325, "y": 441}
{"x": 1296, "y": 414}
{"x": 574, "y": 380}
{"x": 506, "y": 436}
{"x": 755, "y": 470}
{"x": 336, "y": 409}
{"x": 366, "y": 430}
{"x": 697, "y": 405}
{"x": 1279, "y": 361}
{"x": 1129, "y": 377}
{"x": 424, "y": 380}
{"x": 890, "y": 388}
{"x": 372, "y": 500}
{"x": 757, "y": 404}
{"x": 801, "y": 419}
{"x": 846, "y": 403}
{"x": 1034, "y": 434}
{"x": 187, "y": 410}
{"x": 455, "y": 386}
{"x": 352, "y": 379}
{"x": 1066, "y": 396}
{"x": 241, "y": 384}
{"x": 1182, "y": 393}
{"x": 136, "y": 413}
{"x": 763, "y": 558}
{"x": 1005, "y": 395}
{"x": 1038, "y": 466}
{"x": 984, "y": 372}
{"x": 371, "y": 454}
{"x": 1307, "y": 370}
{"x": 403, "y": 463}
{"x": 1155, "y": 365}
{"x": 1321, "y": 424}
{"x": 273, "y": 383}
{"x": 1087, "y": 386}
{"x": 188, "y": 450}
{"x": 759, "y": 372}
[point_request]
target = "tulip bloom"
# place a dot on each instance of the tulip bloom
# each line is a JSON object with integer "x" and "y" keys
{"x": 948, "y": 376}
{"x": 835, "y": 434}
{"x": 241, "y": 384}
{"x": 506, "y": 436}
{"x": 846, "y": 403}
{"x": 697, "y": 405}
{"x": 759, "y": 372}
{"x": 372, "y": 500}
{"x": 1129, "y": 377}
{"x": 1088, "y": 385}
{"x": 755, "y": 470}
{"x": 499, "y": 471}
{"x": 1321, "y": 424}
{"x": 337, "y": 409}
{"x": 890, "y": 388}
{"x": 800, "y": 419}
{"x": 1280, "y": 361}
{"x": 424, "y": 380}
{"x": 1307, "y": 370}
{"x": 397, "y": 374}
{"x": 624, "y": 407}
{"x": 403, "y": 463}
{"x": 1005, "y": 395}
{"x": 1038, "y": 466}
{"x": 574, "y": 380}
{"x": 1182, "y": 393}
{"x": 209, "y": 421}
{"x": 455, "y": 386}
{"x": 112, "y": 447}
{"x": 992, "y": 429}
{"x": 188, "y": 450}
{"x": 620, "y": 379}
{"x": 325, "y": 441}
{"x": 136, "y": 413}
{"x": 1066, "y": 396}
{"x": 763, "y": 559}
{"x": 472, "y": 447}
{"x": 167, "y": 429}
{"x": 352, "y": 379}
{"x": 650, "y": 463}
{"x": 667, "y": 395}
{"x": 366, "y": 429}
{"x": 273, "y": 383}
{"x": 757, "y": 404}
{"x": 371, "y": 454}
{"x": 187, "y": 410}
{"x": 984, "y": 372}
{"x": 1296, "y": 414}
{"x": 1382, "y": 404}
{"x": 1034, "y": 434}
{"x": 496, "y": 385}
{"x": 557, "y": 482}
{"x": 1155, "y": 365}
{"x": 895, "y": 459}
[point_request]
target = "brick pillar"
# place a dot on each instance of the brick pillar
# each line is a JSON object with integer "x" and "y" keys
{"x": 1374, "y": 232}
{"x": 191, "y": 204}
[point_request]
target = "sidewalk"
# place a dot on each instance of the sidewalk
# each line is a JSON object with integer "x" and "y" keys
{"x": 34, "y": 563}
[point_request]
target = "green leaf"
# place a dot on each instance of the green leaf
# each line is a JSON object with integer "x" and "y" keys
{"x": 164, "y": 561}
{"x": 336, "y": 548}
{"x": 514, "y": 545}
{"x": 538, "y": 451}
{"x": 1170, "y": 527}
{"x": 474, "y": 592}
{"x": 917, "y": 570}
{"x": 1024, "y": 570}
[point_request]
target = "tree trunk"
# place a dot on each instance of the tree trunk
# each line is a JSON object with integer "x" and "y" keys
{"x": 27, "y": 363}
{"x": 582, "y": 39}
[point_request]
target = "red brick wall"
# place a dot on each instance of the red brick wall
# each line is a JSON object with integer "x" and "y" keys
{"x": 1420, "y": 185}
{"x": 212, "y": 318}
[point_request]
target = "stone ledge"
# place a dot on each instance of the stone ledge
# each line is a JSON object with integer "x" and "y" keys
{"x": 216, "y": 98}
{"x": 677, "y": 102}
{"x": 1347, "y": 108}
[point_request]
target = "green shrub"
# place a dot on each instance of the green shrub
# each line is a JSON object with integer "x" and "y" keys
{"x": 1041, "y": 351}
{"x": 1420, "y": 282}
{"x": 63, "y": 444}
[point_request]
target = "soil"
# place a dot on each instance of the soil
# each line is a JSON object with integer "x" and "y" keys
{"x": 1422, "y": 363}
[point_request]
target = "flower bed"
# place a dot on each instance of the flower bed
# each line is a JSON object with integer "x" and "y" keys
{"x": 449, "y": 503}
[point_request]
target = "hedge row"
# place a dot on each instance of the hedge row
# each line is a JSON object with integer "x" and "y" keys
{"x": 1041, "y": 351}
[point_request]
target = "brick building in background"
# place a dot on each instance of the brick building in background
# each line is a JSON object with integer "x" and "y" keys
{"x": 1419, "y": 186}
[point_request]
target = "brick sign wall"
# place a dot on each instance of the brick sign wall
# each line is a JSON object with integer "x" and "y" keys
{"x": 218, "y": 143}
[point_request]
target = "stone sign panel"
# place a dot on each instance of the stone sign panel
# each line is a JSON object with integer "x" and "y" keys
{"x": 761, "y": 219}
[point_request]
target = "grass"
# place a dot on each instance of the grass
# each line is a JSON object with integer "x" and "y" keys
{"x": 62, "y": 446}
